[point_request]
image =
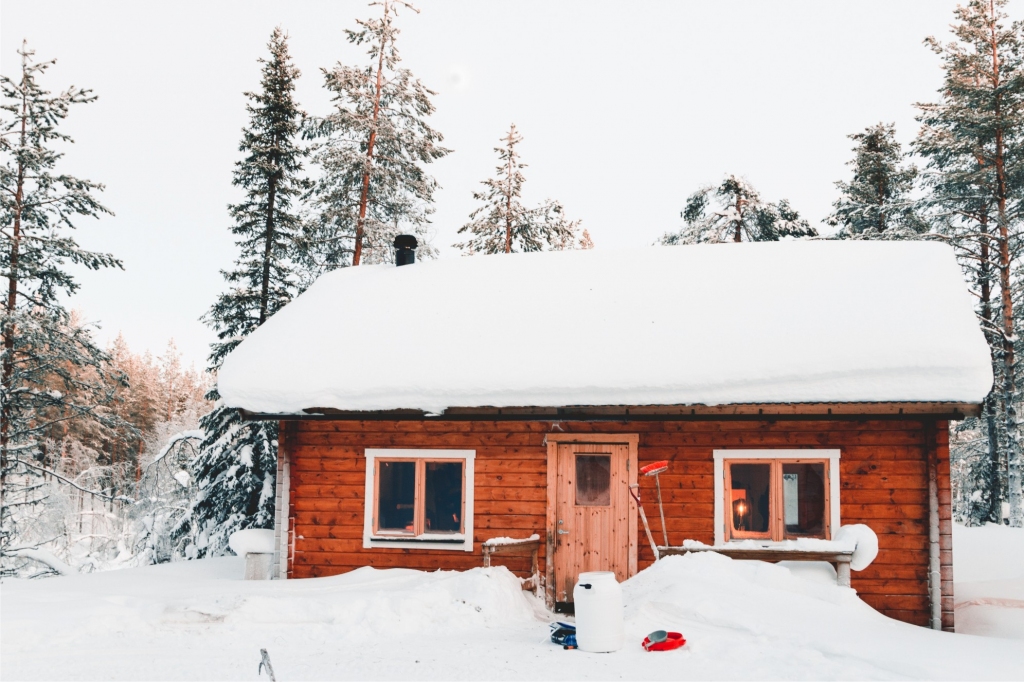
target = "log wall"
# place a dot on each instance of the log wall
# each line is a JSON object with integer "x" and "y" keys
{"x": 883, "y": 469}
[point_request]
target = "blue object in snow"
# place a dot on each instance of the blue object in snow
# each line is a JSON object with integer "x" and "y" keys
{"x": 564, "y": 634}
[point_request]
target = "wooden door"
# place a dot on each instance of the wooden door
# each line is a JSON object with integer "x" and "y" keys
{"x": 592, "y": 513}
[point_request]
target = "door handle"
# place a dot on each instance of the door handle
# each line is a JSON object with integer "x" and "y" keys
{"x": 562, "y": 532}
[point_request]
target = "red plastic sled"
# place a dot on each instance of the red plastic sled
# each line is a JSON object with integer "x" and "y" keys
{"x": 673, "y": 640}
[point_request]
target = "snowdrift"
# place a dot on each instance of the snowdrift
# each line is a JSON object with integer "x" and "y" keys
{"x": 742, "y": 619}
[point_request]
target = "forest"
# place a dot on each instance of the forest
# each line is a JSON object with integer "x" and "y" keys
{"x": 110, "y": 457}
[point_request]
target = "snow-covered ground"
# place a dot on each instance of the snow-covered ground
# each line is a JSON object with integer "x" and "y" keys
{"x": 199, "y": 620}
{"x": 988, "y": 571}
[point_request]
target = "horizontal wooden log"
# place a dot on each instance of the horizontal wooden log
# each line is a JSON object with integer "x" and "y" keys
{"x": 307, "y": 532}
{"x": 491, "y": 507}
{"x": 884, "y": 602}
{"x": 889, "y": 587}
{"x": 783, "y": 439}
{"x": 863, "y": 512}
{"x": 884, "y": 453}
{"x": 409, "y": 426}
{"x": 328, "y": 518}
{"x": 503, "y": 465}
{"x": 890, "y": 496}
{"x": 885, "y": 467}
{"x": 919, "y": 617}
{"x": 793, "y": 425}
{"x": 505, "y": 493}
{"x": 894, "y": 572}
{"x": 883, "y": 482}
{"x": 391, "y": 558}
{"x": 533, "y": 480}
{"x": 415, "y": 440}
{"x": 533, "y": 524}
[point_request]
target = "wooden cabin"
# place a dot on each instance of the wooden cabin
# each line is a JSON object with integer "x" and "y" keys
{"x": 793, "y": 388}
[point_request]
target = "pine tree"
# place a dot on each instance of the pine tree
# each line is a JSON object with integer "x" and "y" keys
{"x": 504, "y": 225}
{"x": 876, "y": 203}
{"x": 371, "y": 154}
{"x": 741, "y": 216}
{"x": 973, "y": 140}
{"x": 52, "y": 372}
{"x": 236, "y": 466}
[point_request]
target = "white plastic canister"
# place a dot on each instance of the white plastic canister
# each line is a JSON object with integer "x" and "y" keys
{"x": 598, "y": 600}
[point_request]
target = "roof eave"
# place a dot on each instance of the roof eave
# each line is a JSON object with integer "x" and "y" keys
{"x": 747, "y": 411}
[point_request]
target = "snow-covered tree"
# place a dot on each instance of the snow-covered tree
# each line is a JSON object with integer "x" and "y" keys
{"x": 739, "y": 214}
{"x": 235, "y": 469}
{"x": 371, "y": 152}
{"x": 52, "y": 372}
{"x": 877, "y": 203}
{"x": 502, "y": 224}
{"x": 973, "y": 141}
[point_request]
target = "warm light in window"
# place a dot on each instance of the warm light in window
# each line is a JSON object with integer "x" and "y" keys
{"x": 740, "y": 508}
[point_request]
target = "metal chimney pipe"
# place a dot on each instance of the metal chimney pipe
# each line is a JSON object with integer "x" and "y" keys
{"x": 405, "y": 249}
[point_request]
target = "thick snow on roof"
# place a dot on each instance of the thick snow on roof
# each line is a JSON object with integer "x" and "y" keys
{"x": 798, "y": 321}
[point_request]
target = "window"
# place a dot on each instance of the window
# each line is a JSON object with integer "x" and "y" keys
{"x": 419, "y": 499}
{"x": 776, "y": 495}
{"x": 593, "y": 480}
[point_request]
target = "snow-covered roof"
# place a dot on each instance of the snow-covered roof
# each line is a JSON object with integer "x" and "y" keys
{"x": 786, "y": 322}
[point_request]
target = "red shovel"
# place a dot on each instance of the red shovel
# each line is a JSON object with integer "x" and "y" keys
{"x": 654, "y": 469}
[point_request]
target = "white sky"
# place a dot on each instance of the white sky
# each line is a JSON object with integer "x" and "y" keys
{"x": 625, "y": 108}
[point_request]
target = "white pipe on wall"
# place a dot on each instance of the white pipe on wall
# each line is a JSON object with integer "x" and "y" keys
{"x": 934, "y": 563}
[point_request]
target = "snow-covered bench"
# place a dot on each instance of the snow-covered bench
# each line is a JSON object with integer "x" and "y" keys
{"x": 853, "y": 547}
{"x": 840, "y": 559}
{"x": 512, "y": 546}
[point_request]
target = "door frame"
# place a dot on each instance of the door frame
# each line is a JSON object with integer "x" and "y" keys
{"x": 552, "y": 441}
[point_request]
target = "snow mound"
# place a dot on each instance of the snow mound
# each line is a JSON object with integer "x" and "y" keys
{"x": 370, "y": 602}
{"x": 252, "y": 541}
{"x": 751, "y": 596}
{"x": 988, "y": 572}
{"x": 826, "y": 324}
{"x": 741, "y": 619}
{"x": 864, "y": 542}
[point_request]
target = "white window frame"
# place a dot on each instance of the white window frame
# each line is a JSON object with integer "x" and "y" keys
{"x": 372, "y": 541}
{"x": 833, "y": 483}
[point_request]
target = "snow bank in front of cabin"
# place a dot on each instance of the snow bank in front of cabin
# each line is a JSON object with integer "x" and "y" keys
{"x": 200, "y": 620}
{"x": 988, "y": 577}
{"x": 805, "y": 321}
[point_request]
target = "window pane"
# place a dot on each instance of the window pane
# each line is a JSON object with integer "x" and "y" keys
{"x": 593, "y": 480}
{"x": 751, "y": 484}
{"x": 803, "y": 491}
{"x": 443, "y": 497}
{"x": 396, "y": 496}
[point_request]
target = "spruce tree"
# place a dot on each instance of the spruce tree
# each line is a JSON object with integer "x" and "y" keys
{"x": 371, "y": 152}
{"x": 973, "y": 141}
{"x": 237, "y": 463}
{"x": 877, "y": 202}
{"x": 52, "y": 372}
{"x": 504, "y": 225}
{"x": 740, "y": 215}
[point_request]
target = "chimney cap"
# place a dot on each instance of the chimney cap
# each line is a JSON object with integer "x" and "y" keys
{"x": 406, "y": 241}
